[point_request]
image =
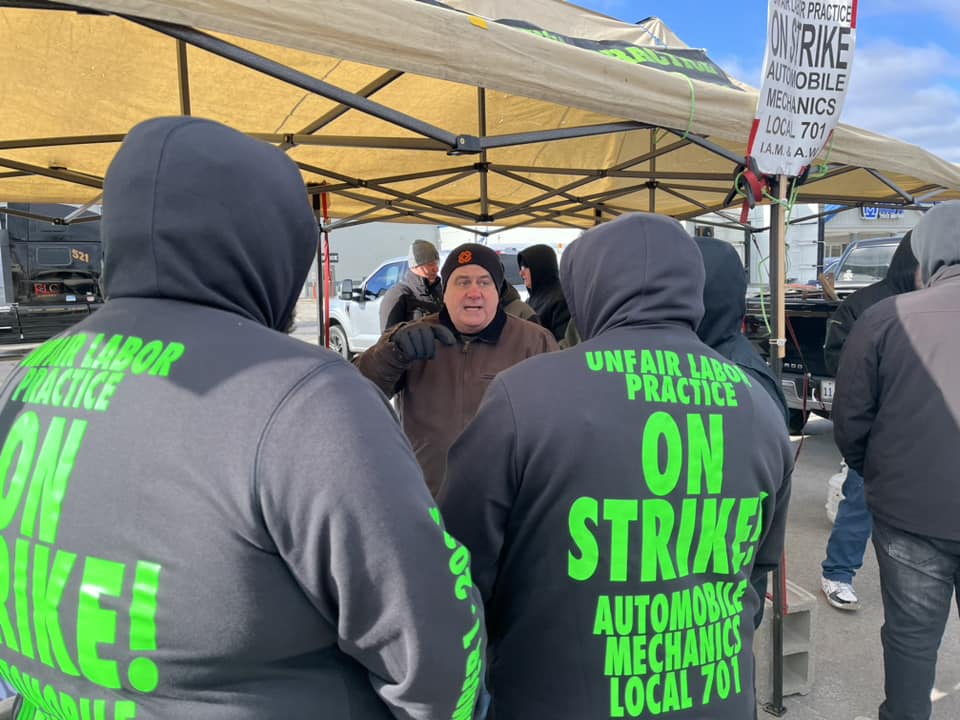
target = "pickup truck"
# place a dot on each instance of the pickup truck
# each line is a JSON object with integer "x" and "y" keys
{"x": 806, "y": 384}
{"x": 355, "y": 311}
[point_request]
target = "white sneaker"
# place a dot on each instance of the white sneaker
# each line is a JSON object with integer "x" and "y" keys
{"x": 840, "y": 594}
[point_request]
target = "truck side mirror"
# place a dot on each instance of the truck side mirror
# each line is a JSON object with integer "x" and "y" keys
{"x": 346, "y": 289}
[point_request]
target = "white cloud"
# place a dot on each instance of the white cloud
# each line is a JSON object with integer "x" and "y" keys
{"x": 911, "y": 93}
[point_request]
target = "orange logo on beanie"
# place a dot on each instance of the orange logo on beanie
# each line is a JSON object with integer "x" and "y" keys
{"x": 465, "y": 258}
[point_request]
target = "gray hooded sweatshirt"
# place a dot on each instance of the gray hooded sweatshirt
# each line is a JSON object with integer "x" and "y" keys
{"x": 618, "y": 496}
{"x": 205, "y": 518}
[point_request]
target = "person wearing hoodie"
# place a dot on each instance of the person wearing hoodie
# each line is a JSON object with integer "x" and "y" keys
{"x": 419, "y": 293}
{"x": 724, "y": 306}
{"x": 440, "y": 366}
{"x": 618, "y": 497}
{"x": 538, "y": 268}
{"x": 895, "y": 420}
{"x": 851, "y": 527}
{"x": 220, "y": 521}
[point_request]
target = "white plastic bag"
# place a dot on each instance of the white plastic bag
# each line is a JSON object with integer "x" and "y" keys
{"x": 835, "y": 491}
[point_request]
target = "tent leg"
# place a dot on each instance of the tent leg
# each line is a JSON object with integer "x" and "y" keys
{"x": 775, "y": 706}
{"x": 653, "y": 169}
{"x": 315, "y": 198}
{"x": 778, "y": 251}
{"x": 483, "y": 168}
{"x": 778, "y": 230}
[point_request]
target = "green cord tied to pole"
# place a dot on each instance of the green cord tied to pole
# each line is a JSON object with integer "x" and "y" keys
{"x": 693, "y": 104}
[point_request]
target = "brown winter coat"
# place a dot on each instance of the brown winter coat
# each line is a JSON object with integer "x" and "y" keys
{"x": 437, "y": 398}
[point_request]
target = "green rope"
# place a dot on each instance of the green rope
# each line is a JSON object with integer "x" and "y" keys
{"x": 693, "y": 105}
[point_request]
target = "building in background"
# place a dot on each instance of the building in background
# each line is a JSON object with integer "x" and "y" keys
{"x": 754, "y": 248}
{"x": 356, "y": 251}
{"x": 864, "y": 223}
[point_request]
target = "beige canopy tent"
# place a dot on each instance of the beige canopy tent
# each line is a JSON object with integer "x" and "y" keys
{"x": 464, "y": 112}
{"x": 502, "y": 112}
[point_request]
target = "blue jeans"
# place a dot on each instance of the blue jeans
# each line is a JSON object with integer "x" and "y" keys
{"x": 918, "y": 577}
{"x": 851, "y": 530}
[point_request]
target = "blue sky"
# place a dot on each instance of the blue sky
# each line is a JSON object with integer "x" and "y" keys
{"x": 906, "y": 72}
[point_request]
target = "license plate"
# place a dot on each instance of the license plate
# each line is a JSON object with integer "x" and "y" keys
{"x": 46, "y": 289}
{"x": 826, "y": 390}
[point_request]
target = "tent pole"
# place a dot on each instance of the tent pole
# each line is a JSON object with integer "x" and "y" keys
{"x": 366, "y": 91}
{"x": 298, "y": 79}
{"x": 57, "y": 173}
{"x": 66, "y": 140}
{"x": 892, "y": 185}
{"x": 318, "y": 293}
{"x": 71, "y": 216}
{"x": 821, "y": 242}
{"x": 652, "y": 202}
{"x": 778, "y": 235}
{"x": 183, "y": 77}
{"x": 368, "y": 185}
{"x": 327, "y": 289}
{"x": 482, "y": 166}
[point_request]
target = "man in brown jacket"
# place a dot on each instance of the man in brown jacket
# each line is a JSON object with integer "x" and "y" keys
{"x": 441, "y": 365}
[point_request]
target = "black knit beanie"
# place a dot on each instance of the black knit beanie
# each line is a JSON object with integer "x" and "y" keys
{"x": 473, "y": 254}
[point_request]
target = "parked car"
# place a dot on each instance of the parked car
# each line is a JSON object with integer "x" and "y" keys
{"x": 829, "y": 270}
{"x": 355, "y": 310}
{"x": 863, "y": 263}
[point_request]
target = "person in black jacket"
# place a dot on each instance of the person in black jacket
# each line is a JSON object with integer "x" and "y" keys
{"x": 851, "y": 527}
{"x": 420, "y": 293}
{"x": 618, "y": 498}
{"x": 222, "y": 521}
{"x": 724, "y": 305}
{"x": 538, "y": 268}
{"x": 896, "y": 419}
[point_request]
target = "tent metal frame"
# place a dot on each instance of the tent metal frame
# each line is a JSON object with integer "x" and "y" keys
{"x": 570, "y": 204}
{"x": 561, "y": 205}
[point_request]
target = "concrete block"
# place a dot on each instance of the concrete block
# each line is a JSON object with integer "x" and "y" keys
{"x": 798, "y": 661}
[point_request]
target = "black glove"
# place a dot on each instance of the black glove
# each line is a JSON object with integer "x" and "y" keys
{"x": 418, "y": 341}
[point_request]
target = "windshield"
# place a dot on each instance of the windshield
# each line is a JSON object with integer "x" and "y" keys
{"x": 866, "y": 264}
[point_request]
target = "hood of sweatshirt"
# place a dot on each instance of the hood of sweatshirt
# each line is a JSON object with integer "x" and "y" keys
{"x": 902, "y": 273}
{"x": 724, "y": 292}
{"x": 638, "y": 269}
{"x": 936, "y": 238}
{"x": 542, "y": 261}
{"x": 182, "y": 221}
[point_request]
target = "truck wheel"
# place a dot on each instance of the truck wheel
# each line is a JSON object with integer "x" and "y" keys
{"x": 798, "y": 418}
{"x": 338, "y": 341}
